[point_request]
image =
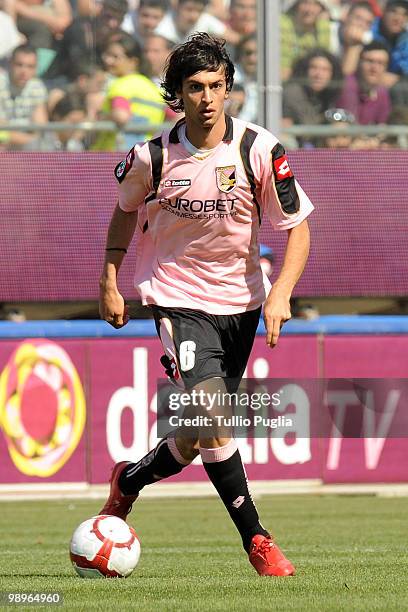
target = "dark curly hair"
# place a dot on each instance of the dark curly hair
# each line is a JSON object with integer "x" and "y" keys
{"x": 301, "y": 68}
{"x": 200, "y": 52}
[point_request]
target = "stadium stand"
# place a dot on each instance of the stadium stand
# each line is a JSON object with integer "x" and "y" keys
{"x": 69, "y": 40}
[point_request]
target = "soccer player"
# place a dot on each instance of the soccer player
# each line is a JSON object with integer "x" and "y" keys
{"x": 196, "y": 195}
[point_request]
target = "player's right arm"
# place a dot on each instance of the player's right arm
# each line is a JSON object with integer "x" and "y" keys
{"x": 134, "y": 177}
{"x": 112, "y": 306}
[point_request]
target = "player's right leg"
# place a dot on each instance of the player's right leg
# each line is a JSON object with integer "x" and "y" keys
{"x": 168, "y": 458}
{"x": 128, "y": 479}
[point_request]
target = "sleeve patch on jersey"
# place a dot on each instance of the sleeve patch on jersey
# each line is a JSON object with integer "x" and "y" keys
{"x": 124, "y": 166}
{"x": 282, "y": 168}
{"x": 284, "y": 181}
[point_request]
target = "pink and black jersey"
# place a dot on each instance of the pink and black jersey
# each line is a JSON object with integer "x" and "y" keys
{"x": 199, "y": 216}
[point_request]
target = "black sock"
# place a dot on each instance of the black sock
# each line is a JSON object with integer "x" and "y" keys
{"x": 229, "y": 478}
{"x": 157, "y": 464}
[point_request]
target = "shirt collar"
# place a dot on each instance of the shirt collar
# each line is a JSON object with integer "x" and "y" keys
{"x": 228, "y": 134}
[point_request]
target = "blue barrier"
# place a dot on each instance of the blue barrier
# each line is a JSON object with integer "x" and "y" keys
{"x": 327, "y": 325}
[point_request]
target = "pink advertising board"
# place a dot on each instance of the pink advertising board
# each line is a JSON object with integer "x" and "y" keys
{"x": 43, "y": 407}
{"x": 69, "y": 409}
{"x": 76, "y": 200}
{"x": 380, "y": 455}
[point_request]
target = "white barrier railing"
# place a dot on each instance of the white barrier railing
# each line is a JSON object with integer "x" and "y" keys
{"x": 311, "y": 131}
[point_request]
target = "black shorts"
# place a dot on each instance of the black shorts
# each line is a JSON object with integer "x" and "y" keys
{"x": 199, "y": 345}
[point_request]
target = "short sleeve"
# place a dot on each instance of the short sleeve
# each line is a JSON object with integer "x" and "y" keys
{"x": 37, "y": 92}
{"x": 282, "y": 198}
{"x": 134, "y": 177}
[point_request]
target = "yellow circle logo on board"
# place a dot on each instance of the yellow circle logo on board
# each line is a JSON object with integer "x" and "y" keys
{"x": 42, "y": 407}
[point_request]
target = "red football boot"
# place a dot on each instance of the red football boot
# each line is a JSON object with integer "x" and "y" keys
{"x": 268, "y": 559}
{"x": 118, "y": 504}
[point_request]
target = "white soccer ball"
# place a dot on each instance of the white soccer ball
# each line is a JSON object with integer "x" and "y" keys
{"x": 104, "y": 547}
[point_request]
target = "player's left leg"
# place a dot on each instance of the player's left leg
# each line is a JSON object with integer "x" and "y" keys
{"x": 223, "y": 464}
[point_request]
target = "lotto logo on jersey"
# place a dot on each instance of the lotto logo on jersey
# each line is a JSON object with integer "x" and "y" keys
{"x": 226, "y": 178}
{"x": 282, "y": 168}
{"x": 177, "y": 183}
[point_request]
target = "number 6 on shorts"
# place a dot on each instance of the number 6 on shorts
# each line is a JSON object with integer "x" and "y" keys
{"x": 187, "y": 355}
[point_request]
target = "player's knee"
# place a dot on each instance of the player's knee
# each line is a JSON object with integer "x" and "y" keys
{"x": 188, "y": 447}
{"x": 213, "y": 441}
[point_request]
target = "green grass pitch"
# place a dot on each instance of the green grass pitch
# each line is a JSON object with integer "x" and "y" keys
{"x": 350, "y": 553}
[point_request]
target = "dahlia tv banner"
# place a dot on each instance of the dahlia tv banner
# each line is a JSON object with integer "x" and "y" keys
{"x": 70, "y": 409}
{"x": 124, "y": 379}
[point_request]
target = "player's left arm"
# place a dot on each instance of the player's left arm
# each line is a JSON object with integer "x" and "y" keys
{"x": 277, "y": 305}
{"x": 287, "y": 206}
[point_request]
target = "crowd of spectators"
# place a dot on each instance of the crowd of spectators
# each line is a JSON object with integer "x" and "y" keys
{"x": 345, "y": 64}
{"x": 342, "y": 62}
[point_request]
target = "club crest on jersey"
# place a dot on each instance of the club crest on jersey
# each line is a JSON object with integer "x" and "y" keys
{"x": 124, "y": 166}
{"x": 120, "y": 169}
{"x": 226, "y": 178}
